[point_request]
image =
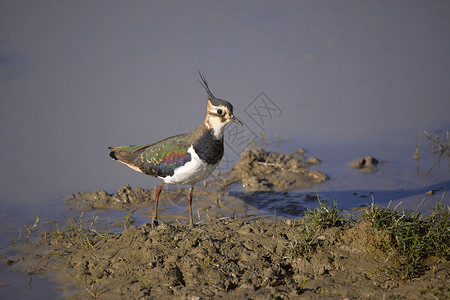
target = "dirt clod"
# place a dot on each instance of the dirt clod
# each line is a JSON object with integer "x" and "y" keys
{"x": 260, "y": 170}
{"x": 366, "y": 164}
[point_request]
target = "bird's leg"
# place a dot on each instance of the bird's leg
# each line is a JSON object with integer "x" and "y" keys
{"x": 189, "y": 200}
{"x": 155, "y": 209}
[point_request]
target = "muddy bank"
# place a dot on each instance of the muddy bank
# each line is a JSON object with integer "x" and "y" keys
{"x": 232, "y": 254}
{"x": 229, "y": 258}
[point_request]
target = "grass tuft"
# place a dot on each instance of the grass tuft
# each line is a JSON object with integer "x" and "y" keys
{"x": 412, "y": 243}
{"x": 324, "y": 216}
{"x": 81, "y": 235}
{"x": 302, "y": 245}
{"x": 127, "y": 220}
{"x": 31, "y": 228}
{"x": 412, "y": 238}
{"x": 305, "y": 243}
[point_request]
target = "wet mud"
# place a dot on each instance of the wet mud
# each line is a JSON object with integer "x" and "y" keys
{"x": 366, "y": 164}
{"x": 260, "y": 170}
{"x": 227, "y": 255}
{"x": 227, "y": 258}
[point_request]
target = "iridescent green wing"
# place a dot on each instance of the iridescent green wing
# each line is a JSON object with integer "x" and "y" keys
{"x": 158, "y": 159}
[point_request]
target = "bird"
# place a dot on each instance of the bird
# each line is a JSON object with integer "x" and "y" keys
{"x": 183, "y": 159}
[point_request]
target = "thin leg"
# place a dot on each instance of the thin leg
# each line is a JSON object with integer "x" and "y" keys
{"x": 158, "y": 190}
{"x": 189, "y": 199}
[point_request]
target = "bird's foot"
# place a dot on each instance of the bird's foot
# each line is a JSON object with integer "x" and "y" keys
{"x": 191, "y": 224}
{"x": 154, "y": 223}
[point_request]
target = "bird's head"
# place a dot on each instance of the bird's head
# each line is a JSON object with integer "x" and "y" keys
{"x": 218, "y": 112}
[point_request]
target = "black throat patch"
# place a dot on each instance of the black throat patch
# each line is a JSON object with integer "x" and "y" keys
{"x": 208, "y": 148}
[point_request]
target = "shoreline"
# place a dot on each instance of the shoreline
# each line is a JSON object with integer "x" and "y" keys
{"x": 320, "y": 256}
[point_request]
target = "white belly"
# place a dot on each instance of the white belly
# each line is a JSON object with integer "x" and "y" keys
{"x": 192, "y": 172}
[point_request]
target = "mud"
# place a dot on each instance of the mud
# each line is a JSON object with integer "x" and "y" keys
{"x": 227, "y": 255}
{"x": 366, "y": 164}
{"x": 227, "y": 258}
{"x": 100, "y": 199}
{"x": 259, "y": 170}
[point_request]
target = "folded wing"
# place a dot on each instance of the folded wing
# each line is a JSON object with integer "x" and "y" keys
{"x": 159, "y": 159}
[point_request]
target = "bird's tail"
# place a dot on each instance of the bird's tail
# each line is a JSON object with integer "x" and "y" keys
{"x": 126, "y": 153}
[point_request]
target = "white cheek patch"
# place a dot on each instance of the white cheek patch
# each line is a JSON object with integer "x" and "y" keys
{"x": 217, "y": 124}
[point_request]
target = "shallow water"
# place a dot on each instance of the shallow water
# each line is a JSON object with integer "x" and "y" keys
{"x": 343, "y": 81}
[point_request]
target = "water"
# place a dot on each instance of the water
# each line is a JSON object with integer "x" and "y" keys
{"x": 343, "y": 80}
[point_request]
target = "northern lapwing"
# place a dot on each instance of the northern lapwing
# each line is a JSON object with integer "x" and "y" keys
{"x": 183, "y": 159}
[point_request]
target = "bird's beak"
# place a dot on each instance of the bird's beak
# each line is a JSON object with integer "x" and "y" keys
{"x": 236, "y": 120}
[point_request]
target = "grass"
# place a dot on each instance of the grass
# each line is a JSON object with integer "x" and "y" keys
{"x": 440, "y": 145}
{"x": 302, "y": 244}
{"x": 31, "y": 228}
{"x": 144, "y": 284}
{"x": 324, "y": 216}
{"x": 413, "y": 244}
{"x": 412, "y": 239}
{"x": 127, "y": 220}
{"x": 81, "y": 233}
{"x": 89, "y": 288}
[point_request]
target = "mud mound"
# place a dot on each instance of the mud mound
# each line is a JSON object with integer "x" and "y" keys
{"x": 101, "y": 199}
{"x": 123, "y": 199}
{"x": 366, "y": 164}
{"x": 259, "y": 170}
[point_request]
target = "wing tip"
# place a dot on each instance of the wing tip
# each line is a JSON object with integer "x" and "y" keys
{"x": 112, "y": 154}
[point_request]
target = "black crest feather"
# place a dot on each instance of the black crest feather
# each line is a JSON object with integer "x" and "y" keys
{"x": 204, "y": 84}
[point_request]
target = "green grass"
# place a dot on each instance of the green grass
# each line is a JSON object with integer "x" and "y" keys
{"x": 80, "y": 232}
{"x": 304, "y": 243}
{"x": 324, "y": 216}
{"x": 413, "y": 243}
{"x": 29, "y": 229}
{"x": 127, "y": 220}
{"x": 82, "y": 235}
{"x": 412, "y": 239}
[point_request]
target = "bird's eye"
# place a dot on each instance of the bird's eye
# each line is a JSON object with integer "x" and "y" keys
{"x": 219, "y": 111}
